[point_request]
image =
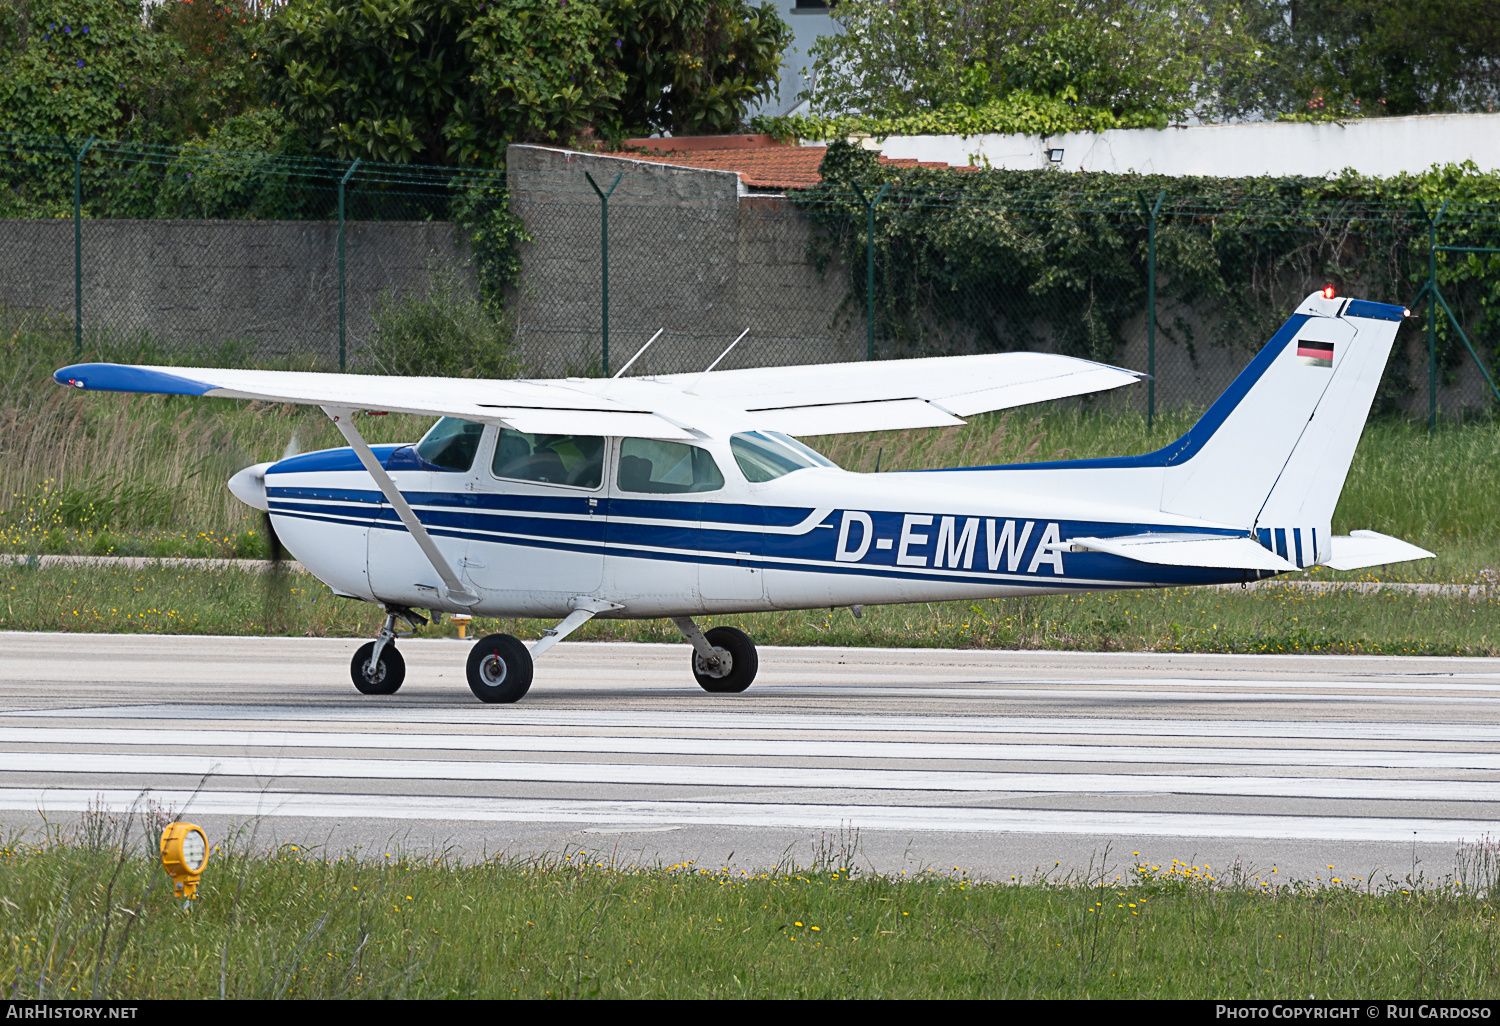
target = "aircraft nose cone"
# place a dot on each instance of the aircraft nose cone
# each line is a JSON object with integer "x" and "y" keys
{"x": 249, "y": 486}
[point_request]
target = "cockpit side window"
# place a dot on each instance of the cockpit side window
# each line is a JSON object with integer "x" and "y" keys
{"x": 576, "y": 460}
{"x": 451, "y": 444}
{"x": 766, "y": 455}
{"x": 666, "y": 468}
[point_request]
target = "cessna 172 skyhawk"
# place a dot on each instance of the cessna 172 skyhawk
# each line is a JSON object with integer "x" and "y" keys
{"x": 688, "y": 494}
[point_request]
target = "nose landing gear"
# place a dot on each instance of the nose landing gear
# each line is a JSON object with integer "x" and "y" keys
{"x": 377, "y": 668}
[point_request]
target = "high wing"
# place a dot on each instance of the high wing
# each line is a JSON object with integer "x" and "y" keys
{"x": 891, "y": 394}
{"x": 543, "y": 407}
{"x": 801, "y": 400}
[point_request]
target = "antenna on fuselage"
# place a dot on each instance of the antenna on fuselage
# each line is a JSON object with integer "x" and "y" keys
{"x": 638, "y": 353}
{"x": 711, "y": 366}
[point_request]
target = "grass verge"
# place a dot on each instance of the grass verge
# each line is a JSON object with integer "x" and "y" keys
{"x": 159, "y": 600}
{"x": 84, "y": 916}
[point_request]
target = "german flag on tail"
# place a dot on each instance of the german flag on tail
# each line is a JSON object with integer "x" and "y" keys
{"x": 1315, "y": 354}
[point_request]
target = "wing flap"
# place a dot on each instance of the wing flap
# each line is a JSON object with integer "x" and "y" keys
{"x": 587, "y": 422}
{"x": 1360, "y": 549}
{"x": 1003, "y": 397}
{"x": 962, "y": 384}
{"x": 842, "y": 418}
{"x": 1206, "y": 550}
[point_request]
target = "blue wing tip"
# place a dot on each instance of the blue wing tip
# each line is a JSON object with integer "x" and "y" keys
{"x": 115, "y": 377}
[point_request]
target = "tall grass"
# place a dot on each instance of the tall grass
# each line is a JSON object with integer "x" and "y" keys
{"x": 84, "y": 916}
{"x": 76, "y": 467}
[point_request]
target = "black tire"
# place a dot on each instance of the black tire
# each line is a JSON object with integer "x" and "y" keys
{"x": 387, "y": 677}
{"x": 499, "y": 669}
{"x": 743, "y": 662}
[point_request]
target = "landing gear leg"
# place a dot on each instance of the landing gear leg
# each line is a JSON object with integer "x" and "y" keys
{"x": 377, "y": 668}
{"x": 724, "y": 660}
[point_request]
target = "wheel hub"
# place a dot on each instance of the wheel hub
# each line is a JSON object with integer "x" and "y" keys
{"x": 723, "y": 668}
{"x": 493, "y": 671}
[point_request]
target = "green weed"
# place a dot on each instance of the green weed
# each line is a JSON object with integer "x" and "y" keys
{"x": 85, "y": 916}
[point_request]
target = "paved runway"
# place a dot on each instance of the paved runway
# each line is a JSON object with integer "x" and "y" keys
{"x": 998, "y": 762}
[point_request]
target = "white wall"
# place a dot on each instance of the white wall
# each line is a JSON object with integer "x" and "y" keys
{"x": 1381, "y": 147}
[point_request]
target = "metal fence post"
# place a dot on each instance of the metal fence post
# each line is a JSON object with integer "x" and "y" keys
{"x": 1151, "y": 213}
{"x": 604, "y": 196}
{"x": 870, "y": 266}
{"x": 342, "y": 182}
{"x": 78, "y": 241}
{"x": 1432, "y": 323}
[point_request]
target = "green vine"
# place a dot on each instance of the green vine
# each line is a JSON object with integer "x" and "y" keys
{"x": 989, "y": 260}
{"x": 1018, "y": 113}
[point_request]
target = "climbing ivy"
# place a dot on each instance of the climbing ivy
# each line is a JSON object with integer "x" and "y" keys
{"x": 987, "y": 259}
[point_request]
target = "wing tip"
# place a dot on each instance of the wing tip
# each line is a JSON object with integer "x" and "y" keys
{"x": 116, "y": 377}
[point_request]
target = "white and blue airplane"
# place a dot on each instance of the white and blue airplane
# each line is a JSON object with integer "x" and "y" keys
{"x": 688, "y": 494}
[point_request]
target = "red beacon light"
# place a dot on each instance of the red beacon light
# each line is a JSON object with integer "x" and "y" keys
{"x": 1327, "y": 291}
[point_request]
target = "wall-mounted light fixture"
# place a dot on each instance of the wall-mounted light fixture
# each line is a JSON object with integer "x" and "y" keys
{"x": 1055, "y": 156}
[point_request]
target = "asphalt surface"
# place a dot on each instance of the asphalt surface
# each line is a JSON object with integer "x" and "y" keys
{"x": 999, "y": 763}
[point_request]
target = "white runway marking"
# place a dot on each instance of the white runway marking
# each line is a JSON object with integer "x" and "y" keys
{"x": 746, "y": 814}
{"x": 615, "y": 737}
{"x": 747, "y": 776}
{"x": 672, "y": 719}
{"x": 734, "y": 746}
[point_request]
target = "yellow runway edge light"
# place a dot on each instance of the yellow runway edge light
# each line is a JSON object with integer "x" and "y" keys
{"x": 184, "y": 853}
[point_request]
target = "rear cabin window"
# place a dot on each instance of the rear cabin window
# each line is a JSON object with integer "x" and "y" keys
{"x": 767, "y": 455}
{"x": 666, "y": 468}
{"x": 576, "y": 460}
{"x": 451, "y": 443}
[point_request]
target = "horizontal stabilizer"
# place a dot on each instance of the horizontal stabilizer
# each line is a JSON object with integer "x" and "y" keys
{"x": 1371, "y": 548}
{"x": 1210, "y": 550}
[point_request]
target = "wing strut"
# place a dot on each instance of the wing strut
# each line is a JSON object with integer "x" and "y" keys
{"x": 454, "y": 591}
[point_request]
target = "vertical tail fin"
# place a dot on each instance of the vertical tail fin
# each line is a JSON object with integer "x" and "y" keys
{"x": 1273, "y": 452}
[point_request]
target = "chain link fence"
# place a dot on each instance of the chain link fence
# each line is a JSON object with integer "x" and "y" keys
{"x": 194, "y": 254}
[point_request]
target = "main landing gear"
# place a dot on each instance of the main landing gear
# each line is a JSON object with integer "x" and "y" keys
{"x": 723, "y": 660}
{"x": 500, "y": 666}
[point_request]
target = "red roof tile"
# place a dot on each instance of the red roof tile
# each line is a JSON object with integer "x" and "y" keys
{"x": 760, "y": 162}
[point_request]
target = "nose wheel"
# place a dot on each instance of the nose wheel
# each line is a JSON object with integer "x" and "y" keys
{"x": 378, "y": 675}
{"x": 377, "y": 668}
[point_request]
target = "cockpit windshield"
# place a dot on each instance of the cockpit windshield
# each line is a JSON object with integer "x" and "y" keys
{"x": 451, "y": 443}
{"x": 767, "y": 455}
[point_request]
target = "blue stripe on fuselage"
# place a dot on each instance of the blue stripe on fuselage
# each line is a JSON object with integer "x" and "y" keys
{"x": 566, "y": 523}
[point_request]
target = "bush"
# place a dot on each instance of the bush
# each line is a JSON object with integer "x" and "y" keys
{"x": 447, "y": 332}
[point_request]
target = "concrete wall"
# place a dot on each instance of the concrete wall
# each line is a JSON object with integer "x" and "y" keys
{"x": 1375, "y": 146}
{"x": 272, "y": 285}
{"x": 688, "y": 253}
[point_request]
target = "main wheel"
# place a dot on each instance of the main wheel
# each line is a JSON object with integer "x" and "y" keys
{"x": 738, "y": 664}
{"x": 499, "y": 669}
{"x": 384, "y": 679}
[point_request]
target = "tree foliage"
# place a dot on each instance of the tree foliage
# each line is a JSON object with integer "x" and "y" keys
{"x": 454, "y": 81}
{"x": 1352, "y": 58}
{"x": 693, "y": 67}
{"x": 1125, "y": 57}
{"x": 112, "y": 68}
